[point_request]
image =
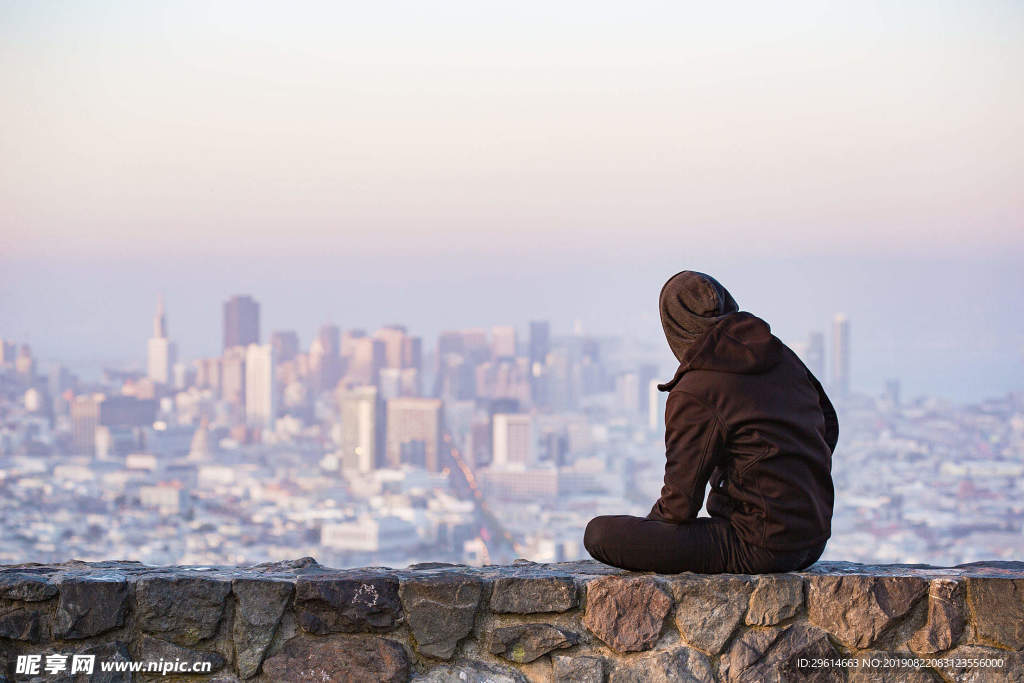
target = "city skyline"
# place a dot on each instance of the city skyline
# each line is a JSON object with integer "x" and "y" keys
{"x": 557, "y": 162}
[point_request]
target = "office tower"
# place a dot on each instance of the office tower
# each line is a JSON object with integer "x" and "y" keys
{"x": 645, "y": 373}
{"x": 413, "y": 432}
{"x": 85, "y": 417}
{"x": 286, "y": 345}
{"x": 362, "y": 428}
{"x": 366, "y": 359}
{"x": 325, "y": 358}
{"x": 395, "y": 382}
{"x": 506, "y": 377}
{"x": 655, "y": 406}
{"x": 162, "y": 353}
{"x": 126, "y": 411}
{"x": 449, "y": 344}
{"x": 513, "y": 440}
{"x": 7, "y": 351}
{"x": 815, "y": 355}
{"x": 208, "y": 373}
{"x": 627, "y": 391}
{"x": 260, "y": 386}
{"x": 503, "y": 341}
{"x": 412, "y": 353}
{"x": 241, "y": 321}
{"x": 25, "y": 364}
{"x": 455, "y": 380}
{"x": 232, "y": 377}
{"x": 393, "y": 337}
{"x": 349, "y": 338}
{"x": 540, "y": 341}
{"x": 841, "y": 355}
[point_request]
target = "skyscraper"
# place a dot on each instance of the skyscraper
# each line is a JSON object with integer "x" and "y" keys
{"x": 362, "y": 432}
{"x": 414, "y": 432}
{"x": 503, "y": 341}
{"x": 85, "y": 417}
{"x": 841, "y": 355}
{"x": 325, "y": 358}
{"x": 513, "y": 440}
{"x": 260, "y": 386}
{"x": 816, "y": 354}
{"x": 241, "y": 321}
{"x": 540, "y": 341}
{"x": 162, "y": 354}
{"x": 286, "y": 345}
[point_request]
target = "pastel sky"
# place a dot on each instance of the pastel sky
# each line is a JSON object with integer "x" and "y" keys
{"x": 461, "y": 163}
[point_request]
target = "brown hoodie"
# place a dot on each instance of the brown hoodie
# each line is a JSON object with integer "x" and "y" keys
{"x": 745, "y": 412}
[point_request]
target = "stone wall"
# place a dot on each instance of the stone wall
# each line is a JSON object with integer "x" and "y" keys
{"x": 576, "y": 621}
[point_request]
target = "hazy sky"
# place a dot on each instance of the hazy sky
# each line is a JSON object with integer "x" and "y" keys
{"x": 460, "y": 164}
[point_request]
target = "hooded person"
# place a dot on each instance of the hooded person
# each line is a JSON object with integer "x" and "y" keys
{"x": 744, "y": 413}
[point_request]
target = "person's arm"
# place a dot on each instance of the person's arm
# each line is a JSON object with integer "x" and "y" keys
{"x": 693, "y": 435}
{"x": 831, "y": 419}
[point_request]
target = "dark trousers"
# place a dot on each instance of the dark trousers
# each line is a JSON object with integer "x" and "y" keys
{"x": 706, "y": 545}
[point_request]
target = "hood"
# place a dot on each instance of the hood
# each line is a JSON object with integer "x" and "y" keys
{"x": 738, "y": 343}
{"x": 690, "y": 304}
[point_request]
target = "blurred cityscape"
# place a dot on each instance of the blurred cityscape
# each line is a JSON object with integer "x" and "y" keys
{"x": 371, "y": 448}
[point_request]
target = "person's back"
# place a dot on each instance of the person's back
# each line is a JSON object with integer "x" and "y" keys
{"x": 745, "y": 413}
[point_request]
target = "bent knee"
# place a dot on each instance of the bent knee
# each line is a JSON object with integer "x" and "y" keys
{"x": 596, "y": 534}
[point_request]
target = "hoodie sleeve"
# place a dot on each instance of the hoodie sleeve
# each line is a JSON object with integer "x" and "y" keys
{"x": 828, "y": 411}
{"x": 693, "y": 436}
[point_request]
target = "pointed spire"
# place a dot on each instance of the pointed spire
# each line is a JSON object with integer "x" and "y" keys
{"x": 160, "y": 320}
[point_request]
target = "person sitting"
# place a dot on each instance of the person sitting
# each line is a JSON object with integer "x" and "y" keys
{"x": 746, "y": 414}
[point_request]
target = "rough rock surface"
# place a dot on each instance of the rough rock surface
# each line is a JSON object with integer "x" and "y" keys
{"x": 571, "y": 621}
{"x": 707, "y": 612}
{"x": 259, "y": 605}
{"x": 626, "y": 613}
{"x": 440, "y": 610}
{"x": 533, "y": 594}
{"x": 776, "y": 597}
{"x": 343, "y": 658}
{"x": 526, "y": 642}
{"x": 90, "y": 605}
{"x": 945, "y": 622}
{"x": 326, "y": 604}
{"x": 997, "y": 606}
{"x": 182, "y": 608}
{"x": 856, "y": 609}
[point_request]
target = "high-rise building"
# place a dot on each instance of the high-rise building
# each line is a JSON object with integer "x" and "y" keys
{"x": 504, "y": 378}
{"x": 503, "y": 341}
{"x": 627, "y": 390}
{"x": 260, "y": 386}
{"x": 362, "y": 432}
{"x": 815, "y": 355}
{"x": 162, "y": 353}
{"x": 241, "y": 321}
{"x": 232, "y": 377}
{"x": 325, "y": 358}
{"x": 85, "y": 417}
{"x": 841, "y": 355}
{"x": 540, "y": 341}
{"x": 7, "y": 351}
{"x": 25, "y": 364}
{"x": 656, "y": 400}
{"x": 513, "y": 440}
{"x": 413, "y": 432}
{"x": 395, "y": 382}
{"x": 366, "y": 359}
{"x": 127, "y": 411}
{"x": 286, "y": 345}
{"x": 393, "y": 337}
